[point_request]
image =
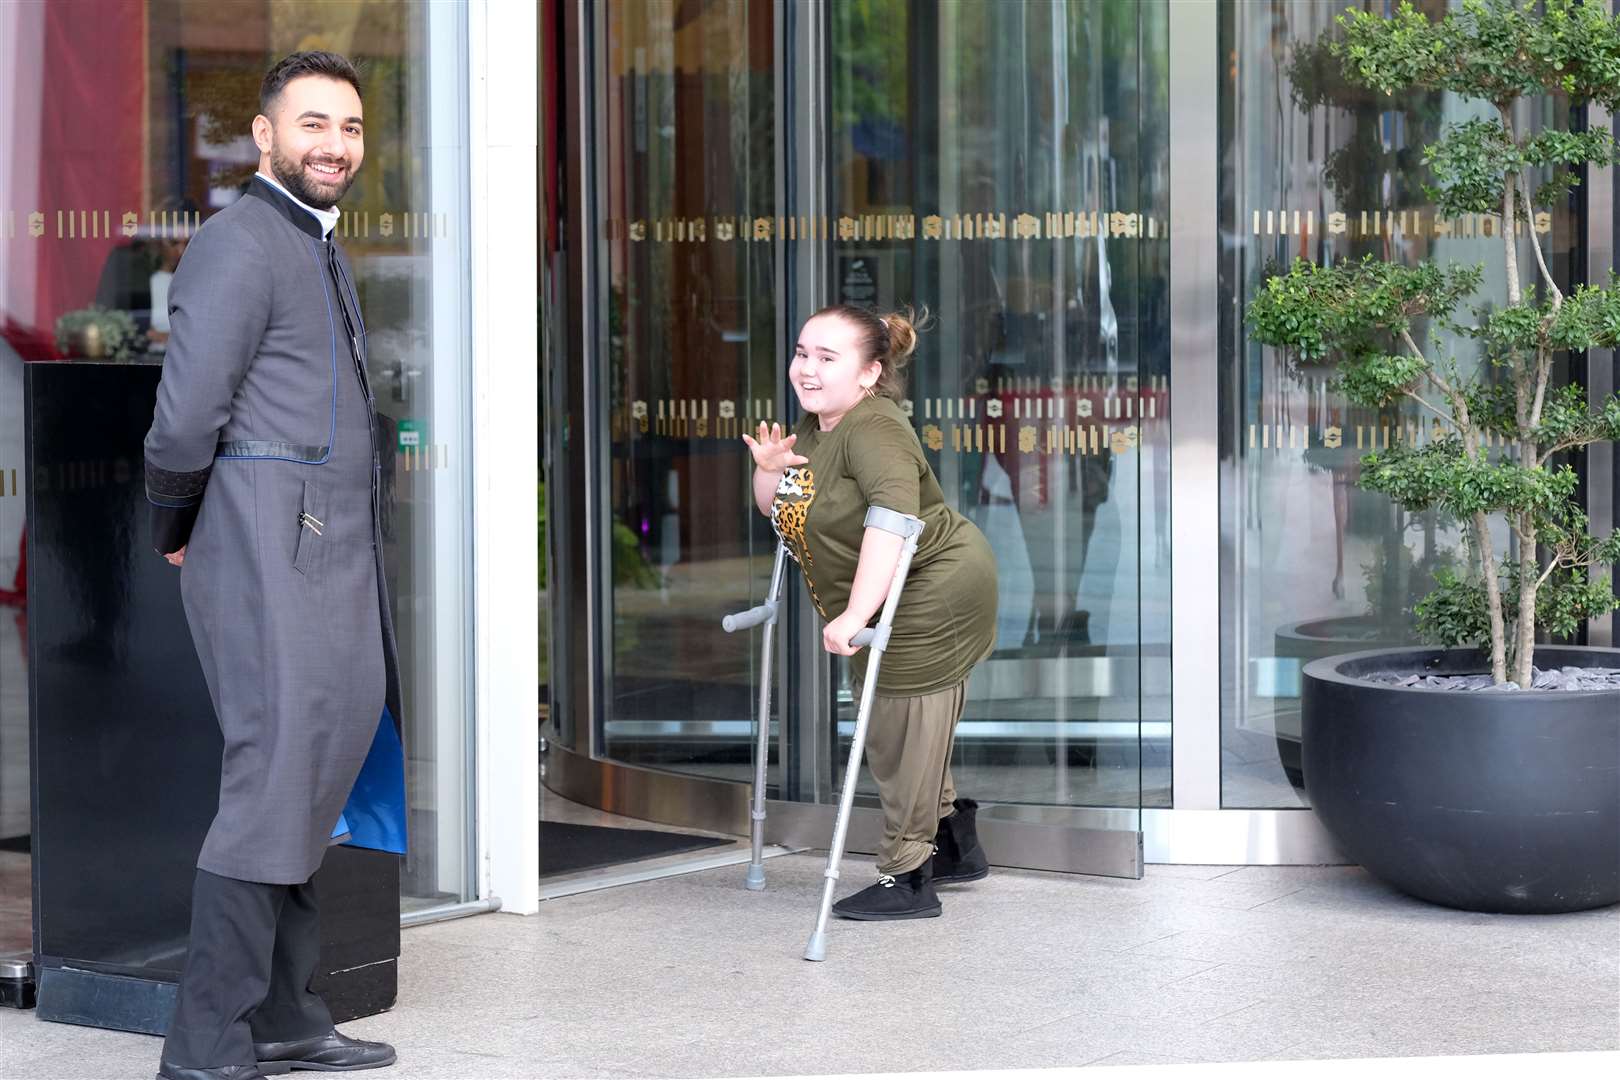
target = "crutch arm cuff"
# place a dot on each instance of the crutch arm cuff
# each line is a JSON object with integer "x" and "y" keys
{"x": 892, "y": 521}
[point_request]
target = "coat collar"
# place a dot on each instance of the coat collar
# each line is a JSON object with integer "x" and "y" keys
{"x": 300, "y": 218}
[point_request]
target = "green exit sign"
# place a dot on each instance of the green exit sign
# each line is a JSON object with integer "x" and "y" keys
{"x": 411, "y": 434}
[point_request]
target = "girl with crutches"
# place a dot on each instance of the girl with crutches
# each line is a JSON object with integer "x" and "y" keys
{"x": 852, "y": 465}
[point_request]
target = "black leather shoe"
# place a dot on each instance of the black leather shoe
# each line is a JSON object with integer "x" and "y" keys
{"x": 227, "y": 1072}
{"x": 895, "y": 896}
{"x": 332, "y": 1052}
{"x": 958, "y": 856}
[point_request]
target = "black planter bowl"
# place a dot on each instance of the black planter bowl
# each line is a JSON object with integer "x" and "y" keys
{"x": 1496, "y": 801}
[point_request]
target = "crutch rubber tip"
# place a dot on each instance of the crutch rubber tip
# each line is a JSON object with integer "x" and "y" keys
{"x": 817, "y": 949}
{"x": 755, "y": 881}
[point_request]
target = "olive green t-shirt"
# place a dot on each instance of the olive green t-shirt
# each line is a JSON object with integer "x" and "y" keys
{"x": 946, "y": 621}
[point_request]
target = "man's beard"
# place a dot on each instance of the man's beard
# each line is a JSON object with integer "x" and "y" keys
{"x": 294, "y": 179}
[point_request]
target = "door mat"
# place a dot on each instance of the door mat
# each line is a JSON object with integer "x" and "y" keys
{"x": 566, "y": 848}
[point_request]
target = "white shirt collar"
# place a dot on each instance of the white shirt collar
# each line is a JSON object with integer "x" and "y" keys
{"x": 327, "y": 218}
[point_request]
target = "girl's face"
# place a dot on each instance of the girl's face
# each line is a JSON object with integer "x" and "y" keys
{"x": 827, "y": 372}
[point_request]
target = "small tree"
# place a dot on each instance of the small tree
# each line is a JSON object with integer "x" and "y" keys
{"x": 1497, "y": 431}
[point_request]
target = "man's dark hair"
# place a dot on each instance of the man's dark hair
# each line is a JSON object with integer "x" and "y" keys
{"x": 329, "y": 65}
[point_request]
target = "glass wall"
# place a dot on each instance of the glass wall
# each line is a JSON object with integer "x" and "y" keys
{"x": 1312, "y": 167}
{"x": 1006, "y": 167}
{"x": 686, "y": 110}
{"x": 123, "y": 126}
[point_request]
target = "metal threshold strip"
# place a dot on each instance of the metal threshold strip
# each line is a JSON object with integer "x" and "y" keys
{"x": 446, "y": 912}
{"x": 608, "y": 877}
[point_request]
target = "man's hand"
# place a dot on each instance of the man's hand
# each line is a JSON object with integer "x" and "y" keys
{"x": 836, "y": 634}
{"x": 177, "y": 557}
{"x": 772, "y": 453}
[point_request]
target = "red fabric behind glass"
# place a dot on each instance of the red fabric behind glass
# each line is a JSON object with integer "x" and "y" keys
{"x": 92, "y": 141}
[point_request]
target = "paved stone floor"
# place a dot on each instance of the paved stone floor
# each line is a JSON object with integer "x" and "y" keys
{"x": 691, "y": 976}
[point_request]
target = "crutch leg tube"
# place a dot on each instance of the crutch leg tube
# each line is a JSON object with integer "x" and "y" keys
{"x": 764, "y": 614}
{"x": 877, "y": 637}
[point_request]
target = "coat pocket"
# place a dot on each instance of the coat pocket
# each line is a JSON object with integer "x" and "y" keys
{"x": 311, "y": 526}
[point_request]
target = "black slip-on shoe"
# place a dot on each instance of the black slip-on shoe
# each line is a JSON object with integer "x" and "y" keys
{"x": 904, "y": 896}
{"x": 958, "y": 855}
{"x": 224, "y": 1072}
{"x": 332, "y": 1052}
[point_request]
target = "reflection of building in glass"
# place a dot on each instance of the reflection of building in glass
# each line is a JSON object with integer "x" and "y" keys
{"x": 123, "y": 128}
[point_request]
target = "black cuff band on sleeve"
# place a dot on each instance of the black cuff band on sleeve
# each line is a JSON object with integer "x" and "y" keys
{"x": 171, "y": 526}
{"x": 175, "y": 488}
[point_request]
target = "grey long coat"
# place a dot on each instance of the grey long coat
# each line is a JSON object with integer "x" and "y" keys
{"x": 263, "y": 458}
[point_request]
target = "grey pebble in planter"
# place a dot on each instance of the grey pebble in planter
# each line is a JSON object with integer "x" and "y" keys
{"x": 1498, "y": 801}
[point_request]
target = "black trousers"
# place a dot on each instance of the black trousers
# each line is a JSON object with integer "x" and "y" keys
{"x": 254, "y": 949}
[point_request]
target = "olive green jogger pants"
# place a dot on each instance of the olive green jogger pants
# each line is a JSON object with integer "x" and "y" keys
{"x": 908, "y": 749}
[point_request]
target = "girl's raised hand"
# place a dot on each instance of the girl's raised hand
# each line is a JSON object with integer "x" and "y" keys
{"x": 772, "y": 452}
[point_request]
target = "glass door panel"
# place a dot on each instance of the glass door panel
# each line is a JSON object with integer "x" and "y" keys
{"x": 1006, "y": 167}
{"x": 686, "y": 118}
{"x": 1312, "y": 565}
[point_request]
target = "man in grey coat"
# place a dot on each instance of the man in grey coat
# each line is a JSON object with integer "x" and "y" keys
{"x": 263, "y": 469}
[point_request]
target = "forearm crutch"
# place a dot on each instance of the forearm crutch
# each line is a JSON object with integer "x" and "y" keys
{"x": 766, "y": 614}
{"x": 910, "y": 528}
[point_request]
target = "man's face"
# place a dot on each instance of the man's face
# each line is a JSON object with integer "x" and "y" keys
{"x": 314, "y": 140}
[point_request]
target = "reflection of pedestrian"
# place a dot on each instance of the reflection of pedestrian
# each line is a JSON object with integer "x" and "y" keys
{"x": 262, "y": 471}
{"x": 169, "y": 250}
{"x": 854, "y": 455}
{"x": 126, "y": 276}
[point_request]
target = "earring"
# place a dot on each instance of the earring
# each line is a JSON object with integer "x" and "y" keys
{"x": 868, "y": 390}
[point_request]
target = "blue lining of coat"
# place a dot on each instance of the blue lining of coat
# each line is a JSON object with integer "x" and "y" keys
{"x": 331, "y": 437}
{"x": 374, "y": 816}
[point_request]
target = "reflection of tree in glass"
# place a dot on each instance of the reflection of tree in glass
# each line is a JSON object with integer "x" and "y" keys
{"x": 871, "y": 67}
{"x": 221, "y": 92}
{"x": 1367, "y": 172}
{"x": 1357, "y": 170}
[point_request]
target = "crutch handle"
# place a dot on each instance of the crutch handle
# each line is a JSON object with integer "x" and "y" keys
{"x": 744, "y": 620}
{"x": 864, "y": 638}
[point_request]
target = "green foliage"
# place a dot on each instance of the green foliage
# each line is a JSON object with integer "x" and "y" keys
{"x": 872, "y": 68}
{"x": 1588, "y": 318}
{"x": 1566, "y": 420}
{"x": 1563, "y": 151}
{"x": 1469, "y": 161}
{"x": 1456, "y": 613}
{"x": 1567, "y": 599}
{"x": 1492, "y": 409}
{"x": 1374, "y": 380}
{"x": 630, "y": 567}
{"x": 1351, "y": 309}
{"x": 1441, "y": 474}
{"x": 1507, "y": 331}
{"x": 1495, "y": 50}
{"x": 99, "y": 333}
{"x": 1359, "y": 315}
